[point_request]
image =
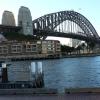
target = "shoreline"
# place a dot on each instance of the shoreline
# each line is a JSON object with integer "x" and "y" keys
{"x": 81, "y": 55}
{"x": 35, "y": 57}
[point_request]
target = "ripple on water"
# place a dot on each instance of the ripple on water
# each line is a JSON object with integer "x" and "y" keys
{"x": 70, "y": 72}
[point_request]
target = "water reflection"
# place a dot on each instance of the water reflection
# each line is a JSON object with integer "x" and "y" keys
{"x": 69, "y": 72}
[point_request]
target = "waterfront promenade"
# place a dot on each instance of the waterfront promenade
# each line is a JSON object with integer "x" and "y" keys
{"x": 41, "y": 94}
{"x": 52, "y": 97}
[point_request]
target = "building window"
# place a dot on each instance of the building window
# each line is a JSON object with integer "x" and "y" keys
{"x": 28, "y": 24}
{"x": 20, "y": 23}
{"x": 16, "y": 48}
{"x": 3, "y": 50}
{"x": 31, "y": 48}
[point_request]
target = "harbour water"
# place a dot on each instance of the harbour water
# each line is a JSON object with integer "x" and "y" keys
{"x": 68, "y": 72}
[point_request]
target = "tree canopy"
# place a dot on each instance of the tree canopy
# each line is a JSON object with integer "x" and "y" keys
{"x": 65, "y": 48}
{"x": 19, "y": 37}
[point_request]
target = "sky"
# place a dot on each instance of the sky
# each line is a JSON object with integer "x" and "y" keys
{"x": 89, "y": 8}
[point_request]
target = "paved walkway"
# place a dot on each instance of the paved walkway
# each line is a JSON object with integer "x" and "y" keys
{"x": 52, "y": 97}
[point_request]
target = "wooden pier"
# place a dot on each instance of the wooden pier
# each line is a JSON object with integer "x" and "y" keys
{"x": 21, "y": 77}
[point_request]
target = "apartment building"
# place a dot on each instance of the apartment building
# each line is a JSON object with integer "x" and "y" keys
{"x": 51, "y": 47}
{"x": 30, "y": 47}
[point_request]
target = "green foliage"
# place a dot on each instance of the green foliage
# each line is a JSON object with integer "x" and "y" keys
{"x": 20, "y": 37}
{"x": 91, "y": 45}
{"x": 79, "y": 47}
{"x": 65, "y": 48}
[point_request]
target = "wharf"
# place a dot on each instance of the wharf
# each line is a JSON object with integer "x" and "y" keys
{"x": 44, "y": 56}
{"x": 28, "y": 57}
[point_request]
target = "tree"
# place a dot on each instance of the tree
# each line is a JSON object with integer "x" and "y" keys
{"x": 67, "y": 49}
{"x": 91, "y": 45}
{"x": 78, "y": 49}
{"x": 19, "y": 36}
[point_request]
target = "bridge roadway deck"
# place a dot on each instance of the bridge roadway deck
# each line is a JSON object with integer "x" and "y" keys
{"x": 52, "y": 97}
{"x": 66, "y": 35}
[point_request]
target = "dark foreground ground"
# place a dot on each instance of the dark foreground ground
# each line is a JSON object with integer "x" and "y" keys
{"x": 87, "y": 96}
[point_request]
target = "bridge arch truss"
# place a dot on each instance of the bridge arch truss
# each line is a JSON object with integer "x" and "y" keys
{"x": 50, "y": 21}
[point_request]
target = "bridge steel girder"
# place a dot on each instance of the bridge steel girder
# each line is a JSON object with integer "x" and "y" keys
{"x": 50, "y": 21}
{"x": 45, "y": 33}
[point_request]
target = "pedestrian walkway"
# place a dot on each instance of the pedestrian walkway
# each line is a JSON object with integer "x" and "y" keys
{"x": 85, "y": 96}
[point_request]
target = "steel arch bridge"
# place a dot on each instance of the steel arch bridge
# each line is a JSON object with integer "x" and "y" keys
{"x": 69, "y": 24}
